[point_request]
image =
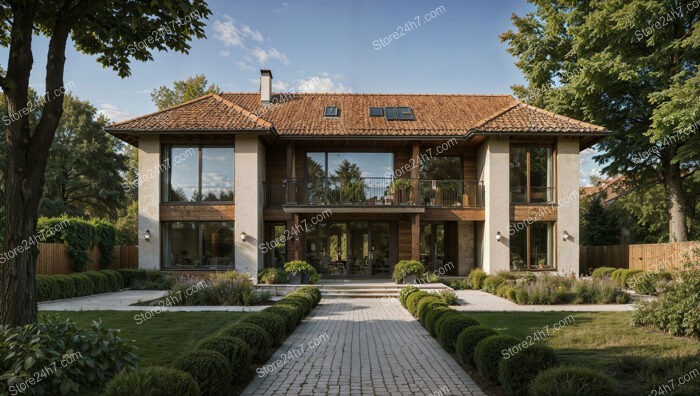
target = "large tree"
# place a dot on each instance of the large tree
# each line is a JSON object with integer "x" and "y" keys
{"x": 84, "y": 171}
{"x": 183, "y": 91}
{"x": 116, "y": 32}
{"x": 630, "y": 65}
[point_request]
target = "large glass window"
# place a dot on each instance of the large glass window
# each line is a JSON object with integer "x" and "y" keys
{"x": 197, "y": 174}
{"x": 532, "y": 246}
{"x": 531, "y": 174}
{"x": 198, "y": 245}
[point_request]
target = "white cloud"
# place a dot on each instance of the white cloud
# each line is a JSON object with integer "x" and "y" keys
{"x": 262, "y": 55}
{"x": 224, "y": 53}
{"x": 114, "y": 113}
{"x": 280, "y": 85}
{"x": 232, "y": 34}
{"x": 243, "y": 65}
{"x": 588, "y": 167}
{"x": 321, "y": 83}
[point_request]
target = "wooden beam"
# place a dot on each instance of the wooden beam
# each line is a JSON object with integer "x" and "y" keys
{"x": 415, "y": 237}
{"x": 415, "y": 174}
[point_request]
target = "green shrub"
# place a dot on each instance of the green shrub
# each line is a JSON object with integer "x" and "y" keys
{"x": 441, "y": 321}
{"x": 492, "y": 282}
{"x": 571, "y": 381}
{"x": 425, "y": 305}
{"x": 413, "y": 299}
{"x": 517, "y": 371}
{"x": 93, "y": 355}
{"x": 305, "y": 295}
{"x": 235, "y": 350}
{"x": 603, "y": 272}
{"x": 273, "y": 276}
{"x": 650, "y": 282}
{"x": 254, "y": 336}
{"x": 115, "y": 280}
{"x": 502, "y": 290}
{"x": 448, "y": 297}
{"x": 300, "y": 268}
{"x": 295, "y": 305}
{"x": 152, "y": 381}
{"x": 101, "y": 281}
{"x": 106, "y": 235}
{"x": 84, "y": 286}
{"x": 676, "y": 310}
{"x": 450, "y": 329}
{"x": 296, "y": 299}
{"x": 477, "y": 277}
{"x": 272, "y": 323}
{"x": 620, "y": 276}
{"x": 79, "y": 235}
{"x": 209, "y": 369}
{"x": 289, "y": 314}
{"x": 467, "y": 340}
{"x": 488, "y": 355}
{"x": 405, "y": 292}
{"x": 627, "y": 276}
{"x": 405, "y": 268}
{"x": 66, "y": 286}
{"x": 433, "y": 316}
{"x": 314, "y": 291}
{"x": 456, "y": 284}
{"x": 47, "y": 288}
{"x": 132, "y": 275}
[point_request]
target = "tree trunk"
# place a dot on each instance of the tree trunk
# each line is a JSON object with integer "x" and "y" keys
{"x": 675, "y": 198}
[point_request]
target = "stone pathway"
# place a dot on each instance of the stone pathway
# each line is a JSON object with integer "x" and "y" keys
{"x": 479, "y": 301}
{"x": 361, "y": 346}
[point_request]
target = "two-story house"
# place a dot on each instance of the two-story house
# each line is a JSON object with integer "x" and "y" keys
{"x": 352, "y": 183}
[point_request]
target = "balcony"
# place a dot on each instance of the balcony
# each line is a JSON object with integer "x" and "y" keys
{"x": 375, "y": 192}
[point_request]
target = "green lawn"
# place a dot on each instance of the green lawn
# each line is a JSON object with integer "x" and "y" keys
{"x": 638, "y": 359}
{"x": 162, "y": 338}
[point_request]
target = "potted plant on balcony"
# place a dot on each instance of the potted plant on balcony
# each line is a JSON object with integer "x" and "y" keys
{"x": 299, "y": 271}
{"x": 408, "y": 271}
{"x": 271, "y": 276}
{"x": 400, "y": 189}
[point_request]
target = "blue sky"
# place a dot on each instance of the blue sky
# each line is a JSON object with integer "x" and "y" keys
{"x": 321, "y": 46}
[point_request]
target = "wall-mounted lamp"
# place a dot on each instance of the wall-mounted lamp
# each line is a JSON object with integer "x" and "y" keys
{"x": 565, "y": 236}
{"x": 498, "y": 236}
{"x": 243, "y": 236}
{"x": 147, "y": 237}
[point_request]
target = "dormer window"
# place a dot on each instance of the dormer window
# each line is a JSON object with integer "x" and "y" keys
{"x": 331, "y": 111}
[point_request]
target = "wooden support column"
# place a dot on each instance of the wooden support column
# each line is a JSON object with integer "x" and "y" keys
{"x": 298, "y": 239}
{"x": 415, "y": 174}
{"x": 291, "y": 184}
{"x": 415, "y": 237}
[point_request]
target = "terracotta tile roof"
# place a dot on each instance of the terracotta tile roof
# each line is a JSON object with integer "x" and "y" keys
{"x": 208, "y": 113}
{"x": 302, "y": 115}
{"x": 611, "y": 188}
{"x": 521, "y": 117}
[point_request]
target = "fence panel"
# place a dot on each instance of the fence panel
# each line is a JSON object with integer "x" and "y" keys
{"x": 54, "y": 259}
{"x": 642, "y": 256}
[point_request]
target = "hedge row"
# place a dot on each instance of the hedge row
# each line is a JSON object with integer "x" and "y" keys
{"x": 55, "y": 287}
{"x": 220, "y": 365}
{"x": 524, "y": 369}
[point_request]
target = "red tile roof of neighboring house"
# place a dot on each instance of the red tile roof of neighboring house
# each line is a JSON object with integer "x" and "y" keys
{"x": 302, "y": 115}
{"x": 612, "y": 188}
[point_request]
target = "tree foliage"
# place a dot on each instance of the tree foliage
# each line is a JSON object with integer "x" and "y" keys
{"x": 183, "y": 91}
{"x": 630, "y": 66}
{"x": 599, "y": 225}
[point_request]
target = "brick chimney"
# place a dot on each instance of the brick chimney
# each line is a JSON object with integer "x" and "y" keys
{"x": 265, "y": 86}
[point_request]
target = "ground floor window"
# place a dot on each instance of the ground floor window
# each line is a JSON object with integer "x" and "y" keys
{"x": 532, "y": 246}
{"x": 275, "y": 248}
{"x": 198, "y": 245}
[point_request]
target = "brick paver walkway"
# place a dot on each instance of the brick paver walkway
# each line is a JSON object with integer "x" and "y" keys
{"x": 359, "y": 346}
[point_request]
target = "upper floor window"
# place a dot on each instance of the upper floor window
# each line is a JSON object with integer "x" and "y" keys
{"x": 197, "y": 174}
{"x": 531, "y": 174}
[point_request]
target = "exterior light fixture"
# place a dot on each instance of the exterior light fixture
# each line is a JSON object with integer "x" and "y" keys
{"x": 243, "y": 236}
{"x": 147, "y": 237}
{"x": 565, "y": 236}
{"x": 498, "y": 236}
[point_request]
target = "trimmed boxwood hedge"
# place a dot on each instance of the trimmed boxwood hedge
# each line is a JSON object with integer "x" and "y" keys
{"x": 517, "y": 371}
{"x": 424, "y": 303}
{"x": 210, "y": 370}
{"x": 132, "y": 275}
{"x": 66, "y": 286}
{"x": 255, "y": 336}
{"x": 571, "y": 381}
{"x": 433, "y": 316}
{"x": 304, "y": 302}
{"x": 101, "y": 281}
{"x": 441, "y": 321}
{"x": 413, "y": 299}
{"x": 271, "y": 322}
{"x": 487, "y": 355}
{"x": 314, "y": 291}
{"x": 46, "y": 288}
{"x": 235, "y": 350}
{"x": 467, "y": 340}
{"x": 451, "y": 327}
{"x": 84, "y": 286}
{"x": 405, "y": 292}
{"x": 115, "y": 280}
{"x": 288, "y": 313}
{"x": 152, "y": 381}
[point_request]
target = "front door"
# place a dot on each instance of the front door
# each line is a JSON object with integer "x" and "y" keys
{"x": 438, "y": 247}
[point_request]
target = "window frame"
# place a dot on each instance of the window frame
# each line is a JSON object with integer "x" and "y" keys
{"x": 166, "y": 175}
{"x": 529, "y": 267}
{"x": 528, "y": 176}
{"x": 165, "y": 243}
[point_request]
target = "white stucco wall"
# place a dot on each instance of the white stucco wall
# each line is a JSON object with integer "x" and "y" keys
{"x": 567, "y": 205}
{"x": 249, "y": 176}
{"x": 149, "y": 202}
{"x": 493, "y": 170}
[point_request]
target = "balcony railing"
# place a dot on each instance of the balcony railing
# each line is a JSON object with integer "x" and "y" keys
{"x": 375, "y": 191}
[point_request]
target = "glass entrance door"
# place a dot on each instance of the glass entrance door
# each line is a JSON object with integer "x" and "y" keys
{"x": 432, "y": 246}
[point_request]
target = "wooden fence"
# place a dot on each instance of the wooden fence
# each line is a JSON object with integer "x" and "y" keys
{"x": 53, "y": 258}
{"x": 644, "y": 256}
